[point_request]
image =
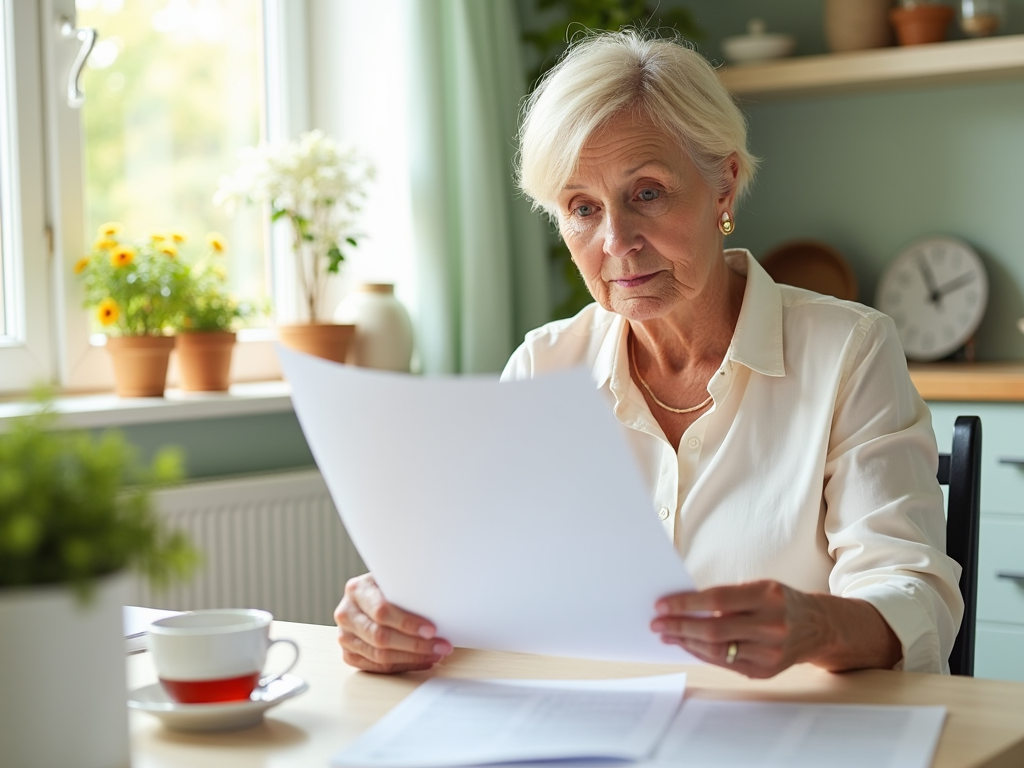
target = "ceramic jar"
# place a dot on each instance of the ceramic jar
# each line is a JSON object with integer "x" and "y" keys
{"x": 383, "y": 336}
{"x": 854, "y": 25}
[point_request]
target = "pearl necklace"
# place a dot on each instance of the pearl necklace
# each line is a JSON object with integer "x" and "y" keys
{"x": 632, "y": 358}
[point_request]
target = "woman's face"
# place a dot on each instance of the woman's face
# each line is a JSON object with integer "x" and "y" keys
{"x": 640, "y": 221}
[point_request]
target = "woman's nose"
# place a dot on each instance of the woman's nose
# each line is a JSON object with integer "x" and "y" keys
{"x": 621, "y": 235}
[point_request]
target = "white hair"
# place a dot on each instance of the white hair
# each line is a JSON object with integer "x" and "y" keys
{"x": 603, "y": 75}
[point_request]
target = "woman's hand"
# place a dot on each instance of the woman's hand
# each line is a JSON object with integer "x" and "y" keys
{"x": 764, "y": 627}
{"x": 377, "y": 636}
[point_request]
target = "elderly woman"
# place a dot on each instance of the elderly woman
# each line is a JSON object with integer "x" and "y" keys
{"x": 790, "y": 459}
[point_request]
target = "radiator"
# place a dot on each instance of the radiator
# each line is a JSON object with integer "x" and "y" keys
{"x": 273, "y": 542}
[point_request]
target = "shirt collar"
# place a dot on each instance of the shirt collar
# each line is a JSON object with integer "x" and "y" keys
{"x": 756, "y": 342}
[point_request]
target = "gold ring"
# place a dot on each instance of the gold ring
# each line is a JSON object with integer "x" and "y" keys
{"x": 730, "y": 655}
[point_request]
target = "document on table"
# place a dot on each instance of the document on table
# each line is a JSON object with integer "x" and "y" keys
{"x": 513, "y": 515}
{"x": 450, "y": 722}
{"x": 757, "y": 734}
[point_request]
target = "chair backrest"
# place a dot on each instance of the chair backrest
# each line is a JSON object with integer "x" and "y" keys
{"x": 961, "y": 471}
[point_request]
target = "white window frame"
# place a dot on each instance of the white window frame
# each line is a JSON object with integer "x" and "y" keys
{"x": 27, "y": 354}
{"x": 53, "y": 343}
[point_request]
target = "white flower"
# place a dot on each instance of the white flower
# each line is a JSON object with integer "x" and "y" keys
{"x": 317, "y": 183}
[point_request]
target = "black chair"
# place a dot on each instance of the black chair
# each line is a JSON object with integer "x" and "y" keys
{"x": 961, "y": 471}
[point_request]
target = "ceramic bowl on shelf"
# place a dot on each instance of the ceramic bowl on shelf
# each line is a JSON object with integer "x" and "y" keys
{"x": 757, "y": 45}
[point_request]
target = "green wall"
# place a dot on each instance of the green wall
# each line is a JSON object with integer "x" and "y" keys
{"x": 869, "y": 173}
{"x": 228, "y": 446}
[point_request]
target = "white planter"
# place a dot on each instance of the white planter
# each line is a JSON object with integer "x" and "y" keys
{"x": 383, "y": 329}
{"x": 63, "y": 688}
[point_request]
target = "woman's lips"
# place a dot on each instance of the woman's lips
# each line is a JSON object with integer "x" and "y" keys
{"x": 633, "y": 282}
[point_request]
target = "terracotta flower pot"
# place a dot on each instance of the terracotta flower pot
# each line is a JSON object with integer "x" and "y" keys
{"x": 920, "y": 24}
{"x": 140, "y": 364}
{"x": 204, "y": 359}
{"x": 326, "y": 340}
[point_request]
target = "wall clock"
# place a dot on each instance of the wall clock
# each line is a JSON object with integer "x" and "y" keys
{"x": 935, "y": 291}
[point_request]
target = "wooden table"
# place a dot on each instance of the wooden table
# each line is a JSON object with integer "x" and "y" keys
{"x": 985, "y": 726}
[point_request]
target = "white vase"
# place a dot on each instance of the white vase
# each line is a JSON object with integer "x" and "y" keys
{"x": 383, "y": 329}
{"x": 62, "y": 672}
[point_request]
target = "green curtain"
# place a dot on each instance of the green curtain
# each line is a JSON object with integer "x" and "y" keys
{"x": 481, "y": 262}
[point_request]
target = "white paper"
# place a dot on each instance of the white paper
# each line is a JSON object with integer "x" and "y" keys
{"x": 450, "y": 722}
{"x": 137, "y": 620}
{"x": 750, "y": 734}
{"x": 511, "y": 515}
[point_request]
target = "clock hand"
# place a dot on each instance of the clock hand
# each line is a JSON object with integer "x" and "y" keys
{"x": 934, "y": 296}
{"x": 956, "y": 282}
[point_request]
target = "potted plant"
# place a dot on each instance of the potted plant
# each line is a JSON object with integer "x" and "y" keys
{"x": 921, "y": 21}
{"x": 135, "y": 290}
{"x": 318, "y": 186}
{"x": 75, "y": 519}
{"x": 205, "y": 327}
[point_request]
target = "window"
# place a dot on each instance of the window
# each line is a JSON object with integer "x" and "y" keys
{"x": 25, "y": 327}
{"x": 174, "y": 88}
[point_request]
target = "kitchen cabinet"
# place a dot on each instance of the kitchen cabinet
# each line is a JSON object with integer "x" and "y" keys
{"x": 999, "y": 650}
{"x": 941, "y": 63}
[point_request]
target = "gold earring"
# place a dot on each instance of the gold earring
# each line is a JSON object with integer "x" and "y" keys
{"x": 725, "y": 225}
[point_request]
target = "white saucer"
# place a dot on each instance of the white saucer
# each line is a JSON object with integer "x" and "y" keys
{"x": 224, "y": 716}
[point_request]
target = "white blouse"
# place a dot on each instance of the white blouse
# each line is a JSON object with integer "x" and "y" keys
{"x": 815, "y": 466}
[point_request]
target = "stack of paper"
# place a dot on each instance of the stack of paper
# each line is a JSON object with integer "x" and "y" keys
{"x": 478, "y": 722}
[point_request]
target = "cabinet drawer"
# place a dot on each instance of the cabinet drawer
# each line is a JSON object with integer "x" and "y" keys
{"x": 1002, "y": 437}
{"x": 1000, "y": 597}
{"x": 999, "y": 652}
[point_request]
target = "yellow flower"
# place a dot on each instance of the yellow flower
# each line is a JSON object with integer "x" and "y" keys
{"x": 81, "y": 264}
{"x": 158, "y": 237}
{"x": 122, "y": 256}
{"x": 177, "y": 237}
{"x": 104, "y": 243}
{"x": 217, "y": 242}
{"x": 167, "y": 249}
{"x": 108, "y": 312}
{"x": 110, "y": 229}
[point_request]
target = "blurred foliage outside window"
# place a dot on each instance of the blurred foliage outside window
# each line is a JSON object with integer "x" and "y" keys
{"x": 568, "y": 19}
{"x": 174, "y": 88}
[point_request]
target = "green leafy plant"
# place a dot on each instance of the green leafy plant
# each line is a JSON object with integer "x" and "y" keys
{"x": 74, "y": 508}
{"x": 134, "y": 287}
{"x": 572, "y": 16}
{"x": 207, "y": 303}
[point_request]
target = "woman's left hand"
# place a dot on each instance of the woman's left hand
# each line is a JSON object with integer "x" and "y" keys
{"x": 764, "y": 627}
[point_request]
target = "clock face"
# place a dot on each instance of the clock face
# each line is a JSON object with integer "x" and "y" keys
{"x": 935, "y": 291}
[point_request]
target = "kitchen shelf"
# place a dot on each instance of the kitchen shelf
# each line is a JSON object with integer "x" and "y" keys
{"x": 993, "y": 382}
{"x": 956, "y": 61}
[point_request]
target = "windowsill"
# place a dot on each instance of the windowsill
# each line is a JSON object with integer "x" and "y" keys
{"x": 109, "y": 410}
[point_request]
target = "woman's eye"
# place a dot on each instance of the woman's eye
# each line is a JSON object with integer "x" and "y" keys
{"x": 648, "y": 194}
{"x": 583, "y": 210}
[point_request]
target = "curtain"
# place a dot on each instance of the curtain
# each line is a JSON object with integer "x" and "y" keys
{"x": 481, "y": 258}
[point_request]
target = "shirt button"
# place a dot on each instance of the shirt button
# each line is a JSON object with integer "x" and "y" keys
{"x": 693, "y": 442}
{"x": 663, "y": 513}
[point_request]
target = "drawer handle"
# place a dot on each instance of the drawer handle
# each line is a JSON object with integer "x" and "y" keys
{"x": 1012, "y": 575}
{"x": 1011, "y": 460}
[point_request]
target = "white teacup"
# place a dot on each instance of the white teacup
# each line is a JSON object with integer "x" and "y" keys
{"x": 213, "y": 655}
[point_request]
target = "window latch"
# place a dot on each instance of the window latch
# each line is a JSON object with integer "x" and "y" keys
{"x": 87, "y": 37}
